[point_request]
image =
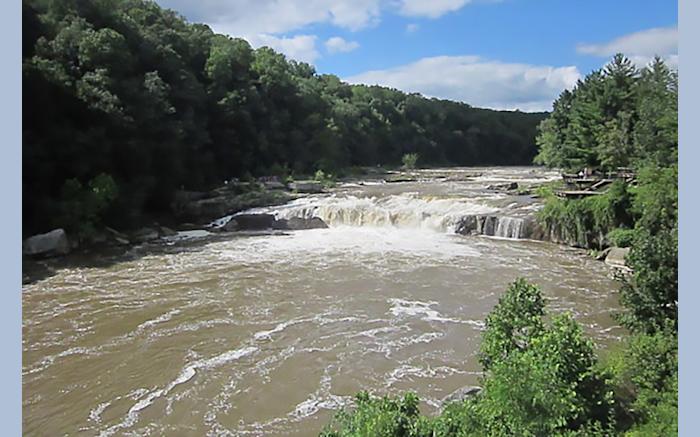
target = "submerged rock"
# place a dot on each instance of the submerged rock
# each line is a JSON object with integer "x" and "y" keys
{"x": 49, "y": 244}
{"x": 298, "y": 223}
{"x": 462, "y": 394}
{"x": 508, "y": 186}
{"x": 249, "y": 222}
{"x": 309, "y": 187}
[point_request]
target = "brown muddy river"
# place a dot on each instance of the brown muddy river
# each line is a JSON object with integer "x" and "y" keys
{"x": 269, "y": 334}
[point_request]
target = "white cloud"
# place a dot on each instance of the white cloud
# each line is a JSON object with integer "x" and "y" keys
{"x": 275, "y": 22}
{"x": 431, "y": 9}
{"x": 337, "y": 44}
{"x": 478, "y": 82}
{"x": 298, "y": 47}
{"x": 247, "y": 17}
{"x": 412, "y": 27}
{"x": 640, "y": 47}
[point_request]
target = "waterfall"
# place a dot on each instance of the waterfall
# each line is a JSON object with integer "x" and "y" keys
{"x": 509, "y": 227}
{"x": 402, "y": 211}
{"x": 496, "y": 226}
{"x": 407, "y": 210}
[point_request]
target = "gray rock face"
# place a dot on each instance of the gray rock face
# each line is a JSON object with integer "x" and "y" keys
{"x": 225, "y": 201}
{"x": 166, "y": 232}
{"x": 462, "y": 394}
{"x": 145, "y": 234}
{"x": 602, "y": 255}
{"x": 297, "y": 223}
{"x": 49, "y": 244}
{"x": 250, "y": 222}
{"x": 507, "y": 186}
{"x": 616, "y": 257}
{"x": 274, "y": 185}
{"x": 116, "y": 236}
{"x": 310, "y": 187}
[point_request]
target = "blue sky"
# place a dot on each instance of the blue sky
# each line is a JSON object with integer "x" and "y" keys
{"x": 503, "y": 54}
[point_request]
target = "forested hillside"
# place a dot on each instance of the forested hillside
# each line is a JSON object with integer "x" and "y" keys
{"x": 125, "y": 102}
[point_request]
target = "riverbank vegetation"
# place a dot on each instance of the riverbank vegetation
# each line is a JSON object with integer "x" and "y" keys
{"x": 542, "y": 377}
{"x": 133, "y": 91}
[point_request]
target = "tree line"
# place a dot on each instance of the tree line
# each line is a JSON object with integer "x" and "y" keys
{"x": 125, "y": 102}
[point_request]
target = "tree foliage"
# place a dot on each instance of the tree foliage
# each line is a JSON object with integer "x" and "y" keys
{"x": 615, "y": 117}
{"x": 132, "y": 90}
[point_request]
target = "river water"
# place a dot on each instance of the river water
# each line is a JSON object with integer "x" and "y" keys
{"x": 269, "y": 334}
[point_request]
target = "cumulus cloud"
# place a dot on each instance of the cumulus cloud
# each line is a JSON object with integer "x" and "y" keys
{"x": 299, "y": 47}
{"x": 431, "y": 9}
{"x": 412, "y": 27}
{"x": 640, "y": 47}
{"x": 247, "y": 17}
{"x": 478, "y": 82}
{"x": 276, "y": 22}
{"x": 337, "y": 44}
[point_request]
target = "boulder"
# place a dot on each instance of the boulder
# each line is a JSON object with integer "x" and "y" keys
{"x": 116, "y": 236}
{"x": 249, "y": 222}
{"x": 468, "y": 225}
{"x": 274, "y": 185}
{"x": 49, "y": 244}
{"x": 603, "y": 254}
{"x": 462, "y": 394}
{"x": 507, "y": 186}
{"x": 281, "y": 224}
{"x": 310, "y": 187}
{"x": 477, "y": 225}
{"x": 166, "y": 232}
{"x": 298, "y": 223}
{"x": 532, "y": 229}
{"x": 616, "y": 257}
{"x": 205, "y": 210}
{"x": 145, "y": 234}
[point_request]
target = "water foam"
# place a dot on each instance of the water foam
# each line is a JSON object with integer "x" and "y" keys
{"x": 406, "y": 210}
{"x": 402, "y": 307}
{"x": 185, "y": 375}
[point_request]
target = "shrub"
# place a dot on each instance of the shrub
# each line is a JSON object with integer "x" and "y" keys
{"x": 326, "y": 179}
{"x": 380, "y": 417}
{"x": 541, "y": 378}
{"x": 82, "y": 208}
{"x": 645, "y": 376}
{"x": 409, "y": 160}
{"x": 586, "y": 222}
{"x": 620, "y": 237}
{"x": 650, "y": 295}
{"x": 513, "y": 322}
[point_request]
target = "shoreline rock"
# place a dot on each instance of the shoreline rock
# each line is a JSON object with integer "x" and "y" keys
{"x": 52, "y": 243}
{"x": 462, "y": 394}
{"x": 616, "y": 257}
{"x": 298, "y": 224}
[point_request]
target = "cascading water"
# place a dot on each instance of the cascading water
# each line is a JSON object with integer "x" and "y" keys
{"x": 408, "y": 210}
{"x": 509, "y": 227}
{"x": 401, "y": 211}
